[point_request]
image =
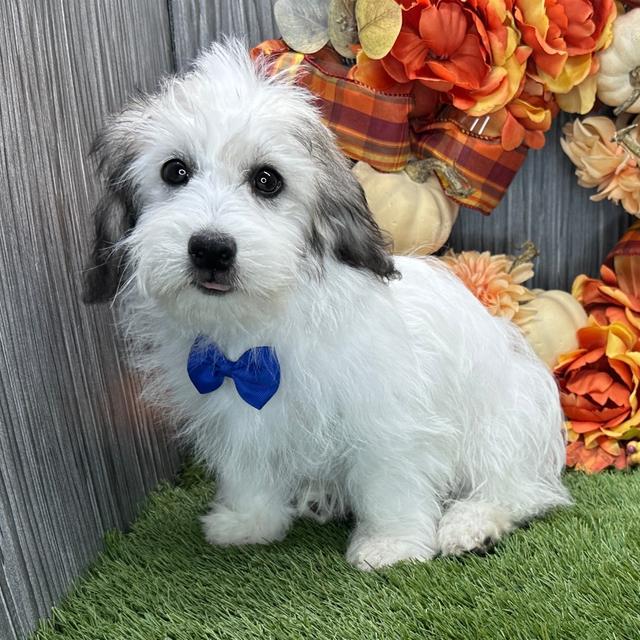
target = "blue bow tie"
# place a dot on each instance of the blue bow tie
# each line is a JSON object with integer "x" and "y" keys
{"x": 256, "y": 373}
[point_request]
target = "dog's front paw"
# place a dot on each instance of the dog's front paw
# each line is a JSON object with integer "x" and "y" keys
{"x": 376, "y": 551}
{"x": 225, "y": 527}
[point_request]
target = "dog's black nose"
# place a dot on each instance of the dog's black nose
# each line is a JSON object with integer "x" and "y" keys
{"x": 212, "y": 251}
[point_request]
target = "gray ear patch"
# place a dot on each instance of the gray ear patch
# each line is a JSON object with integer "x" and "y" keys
{"x": 114, "y": 216}
{"x": 357, "y": 239}
{"x": 107, "y": 262}
{"x": 342, "y": 213}
{"x": 116, "y": 212}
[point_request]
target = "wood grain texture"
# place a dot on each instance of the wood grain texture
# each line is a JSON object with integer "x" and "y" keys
{"x": 196, "y": 23}
{"x": 78, "y": 453}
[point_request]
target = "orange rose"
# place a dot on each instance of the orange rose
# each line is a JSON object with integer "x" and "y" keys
{"x": 527, "y": 117}
{"x": 598, "y": 391}
{"x": 605, "y": 301}
{"x": 616, "y": 296}
{"x": 564, "y": 35}
{"x": 469, "y": 51}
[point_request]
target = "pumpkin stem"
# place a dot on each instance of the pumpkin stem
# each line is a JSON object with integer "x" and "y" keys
{"x": 528, "y": 251}
{"x": 625, "y": 138}
{"x": 452, "y": 182}
{"x": 634, "y": 81}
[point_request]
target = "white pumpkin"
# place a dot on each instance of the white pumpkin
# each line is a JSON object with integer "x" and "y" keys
{"x": 418, "y": 216}
{"x": 551, "y": 329}
{"x": 619, "y": 74}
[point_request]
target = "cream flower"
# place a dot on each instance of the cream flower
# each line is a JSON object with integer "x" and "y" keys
{"x": 604, "y": 153}
{"x": 494, "y": 280}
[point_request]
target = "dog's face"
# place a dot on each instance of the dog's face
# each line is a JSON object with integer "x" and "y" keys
{"x": 222, "y": 188}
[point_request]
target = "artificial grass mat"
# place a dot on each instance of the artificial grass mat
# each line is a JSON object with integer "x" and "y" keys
{"x": 575, "y": 574}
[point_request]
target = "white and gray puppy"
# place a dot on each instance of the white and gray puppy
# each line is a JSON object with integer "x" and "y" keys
{"x": 232, "y": 219}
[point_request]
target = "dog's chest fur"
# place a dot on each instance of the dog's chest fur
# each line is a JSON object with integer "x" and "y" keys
{"x": 341, "y": 333}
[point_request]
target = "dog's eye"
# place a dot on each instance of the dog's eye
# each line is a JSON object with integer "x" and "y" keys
{"x": 267, "y": 182}
{"x": 175, "y": 173}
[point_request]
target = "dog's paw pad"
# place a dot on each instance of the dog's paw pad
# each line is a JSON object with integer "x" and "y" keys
{"x": 472, "y": 527}
{"x": 369, "y": 553}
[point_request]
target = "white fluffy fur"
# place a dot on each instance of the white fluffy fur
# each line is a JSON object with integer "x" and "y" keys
{"x": 399, "y": 401}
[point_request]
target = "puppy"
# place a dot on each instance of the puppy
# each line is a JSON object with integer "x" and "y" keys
{"x": 313, "y": 372}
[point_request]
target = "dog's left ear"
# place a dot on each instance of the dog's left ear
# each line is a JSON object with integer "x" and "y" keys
{"x": 353, "y": 235}
{"x": 357, "y": 239}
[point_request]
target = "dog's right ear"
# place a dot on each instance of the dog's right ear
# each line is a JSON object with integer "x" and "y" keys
{"x": 107, "y": 260}
{"x": 116, "y": 212}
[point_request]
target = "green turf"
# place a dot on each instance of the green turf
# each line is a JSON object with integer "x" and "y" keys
{"x": 575, "y": 574}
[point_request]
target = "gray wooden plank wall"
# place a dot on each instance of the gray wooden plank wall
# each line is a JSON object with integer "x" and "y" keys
{"x": 196, "y": 23}
{"x": 77, "y": 451}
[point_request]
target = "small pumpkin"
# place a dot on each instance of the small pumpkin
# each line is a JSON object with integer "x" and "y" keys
{"x": 619, "y": 74}
{"x": 551, "y": 328}
{"x": 418, "y": 216}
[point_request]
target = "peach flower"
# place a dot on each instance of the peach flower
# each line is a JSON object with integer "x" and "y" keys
{"x": 598, "y": 391}
{"x": 494, "y": 281}
{"x": 601, "y": 162}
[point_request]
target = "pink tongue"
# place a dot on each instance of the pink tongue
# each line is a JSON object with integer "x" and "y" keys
{"x": 216, "y": 286}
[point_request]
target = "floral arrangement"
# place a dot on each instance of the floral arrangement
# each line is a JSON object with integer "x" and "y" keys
{"x": 514, "y": 60}
{"x": 599, "y": 383}
{"x": 606, "y": 152}
{"x": 599, "y": 380}
{"x": 450, "y": 80}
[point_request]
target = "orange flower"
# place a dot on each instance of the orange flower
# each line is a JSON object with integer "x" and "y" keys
{"x": 595, "y": 459}
{"x": 598, "y": 391}
{"x": 605, "y": 301}
{"x": 528, "y": 116}
{"x": 616, "y": 296}
{"x": 371, "y": 74}
{"x": 564, "y": 35}
{"x": 468, "y": 50}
